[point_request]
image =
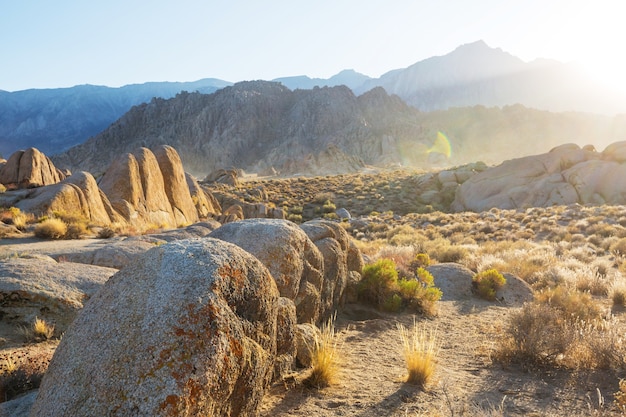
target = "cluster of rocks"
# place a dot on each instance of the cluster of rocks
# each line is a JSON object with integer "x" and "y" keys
{"x": 201, "y": 326}
{"x": 142, "y": 188}
{"x": 568, "y": 174}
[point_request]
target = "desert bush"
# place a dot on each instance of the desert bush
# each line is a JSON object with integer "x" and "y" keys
{"x": 106, "y": 233}
{"x": 51, "y": 229}
{"x": 419, "y": 349}
{"x": 75, "y": 231}
{"x": 574, "y": 305}
{"x": 421, "y": 260}
{"x": 618, "y": 294}
{"x": 2, "y": 188}
{"x": 487, "y": 283}
{"x": 380, "y": 286}
{"x": 378, "y": 281}
{"x": 328, "y": 207}
{"x": 324, "y": 357}
{"x": 296, "y": 218}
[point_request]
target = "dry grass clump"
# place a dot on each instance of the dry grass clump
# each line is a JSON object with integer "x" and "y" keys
{"x": 51, "y": 229}
{"x": 618, "y": 294}
{"x": 563, "y": 328}
{"x": 420, "y": 347}
{"x": 325, "y": 359}
{"x": 39, "y": 331}
{"x": 16, "y": 217}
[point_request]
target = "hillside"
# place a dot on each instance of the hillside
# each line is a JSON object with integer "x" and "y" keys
{"x": 257, "y": 126}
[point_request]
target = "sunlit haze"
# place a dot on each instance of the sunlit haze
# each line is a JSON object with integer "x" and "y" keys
{"x": 65, "y": 43}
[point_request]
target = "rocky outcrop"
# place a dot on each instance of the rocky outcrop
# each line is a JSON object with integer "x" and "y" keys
{"x": 341, "y": 259}
{"x": 224, "y": 176}
{"x": 189, "y": 329}
{"x": 78, "y": 195}
{"x": 29, "y": 169}
{"x": 41, "y": 287}
{"x": 206, "y": 204}
{"x": 455, "y": 282}
{"x": 137, "y": 189}
{"x": 565, "y": 175}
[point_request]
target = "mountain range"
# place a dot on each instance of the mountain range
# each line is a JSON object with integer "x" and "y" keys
{"x": 54, "y": 120}
{"x": 263, "y": 127}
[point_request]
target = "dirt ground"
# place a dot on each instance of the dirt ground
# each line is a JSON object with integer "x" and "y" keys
{"x": 467, "y": 381}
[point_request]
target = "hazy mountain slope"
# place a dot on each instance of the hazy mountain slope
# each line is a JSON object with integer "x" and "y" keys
{"x": 477, "y": 74}
{"x": 349, "y": 78}
{"x": 53, "y": 120}
{"x": 257, "y": 125}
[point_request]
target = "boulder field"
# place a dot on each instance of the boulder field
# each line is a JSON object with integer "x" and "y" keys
{"x": 200, "y": 326}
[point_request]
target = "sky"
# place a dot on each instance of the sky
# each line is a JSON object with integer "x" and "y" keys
{"x": 62, "y": 43}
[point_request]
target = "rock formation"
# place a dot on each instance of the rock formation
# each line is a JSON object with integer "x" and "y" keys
{"x": 29, "y": 169}
{"x": 293, "y": 260}
{"x": 78, "y": 195}
{"x": 565, "y": 175}
{"x": 189, "y": 329}
{"x": 39, "y": 286}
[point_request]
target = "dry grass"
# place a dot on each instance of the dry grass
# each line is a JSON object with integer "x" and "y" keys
{"x": 324, "y": 357}
{"x": 39, "y": 331}
{"x": 420, "y": 347}
{"x": 51, "y": 229}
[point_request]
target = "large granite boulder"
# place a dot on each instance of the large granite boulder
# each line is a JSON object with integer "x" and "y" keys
{"x": 188, "y": 329}
{"x": 565, "y": 175}
{"x": 293, "y": 260}
{"x": 28, "y": 169}
{"x": 41, "y": 287}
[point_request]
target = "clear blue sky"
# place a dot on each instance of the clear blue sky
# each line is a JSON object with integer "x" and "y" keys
{"x": 61, "y": 43}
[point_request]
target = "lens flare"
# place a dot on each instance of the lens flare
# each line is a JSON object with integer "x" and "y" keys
{"x": 441, "y": 145}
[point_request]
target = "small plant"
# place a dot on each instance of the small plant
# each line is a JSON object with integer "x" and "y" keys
{"x": 324, "y": 357}
{"x": 51, "y": 229}
{"x": 487, "y": 283}
{"x": 2, "y": 188}
{"x": 618, "y": 295}
{"x": 40, "y": 330}
{"x": 422, "y": 260}
{"x": 329, "y": 207}
{"x": 106, "y": 233}
{"x": 420, "y": 349}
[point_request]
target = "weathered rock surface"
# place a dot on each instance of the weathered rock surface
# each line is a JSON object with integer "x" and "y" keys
{"x": 188, "y": 329}
{"x": 455, "y": 282}
{"x": 340, "y": 259}
{"x": 78, "y": 194}
{"x": 47, "y": 289}
{"x": 136, "y": 188}
{"x": 293, "y": 260}
{"x": 18, "y": 407}
{"x": 175, "y": 183}
{"x": 565, "y": 175}
{"x": 206, "y": 204}
{"x": 120, "y": 253}
{"x": 28, "y": 169}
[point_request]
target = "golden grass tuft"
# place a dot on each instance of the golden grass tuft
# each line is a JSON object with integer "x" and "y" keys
{"x": 324, "y": 357}
{"x": 420, "y": 349}
{"x": 39, "y": 331}
{"x": 51, "y": 229}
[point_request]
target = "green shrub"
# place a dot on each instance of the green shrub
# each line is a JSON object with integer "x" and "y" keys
{"x": 421, "y": 260}
{"x": 380, "y": 286}
{"x": 379, "y": 280}
{"x": 487, "y": 283}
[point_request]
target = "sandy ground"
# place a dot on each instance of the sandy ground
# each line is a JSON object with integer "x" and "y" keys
{"x": 467, "y": 382}
{"x": 54, "y": 248}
